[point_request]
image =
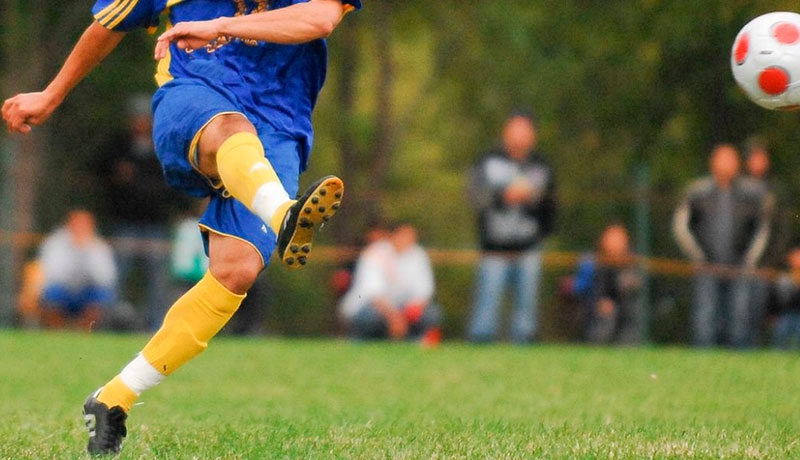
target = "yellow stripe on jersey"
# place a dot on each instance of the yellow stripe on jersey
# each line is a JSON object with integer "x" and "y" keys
{"x": 173, "y": 2}
{"x": 162, "y": 69}
{"x": 124, "y": 14}
{"x": 101, "y": 14}
{"x": 106, "y": 16}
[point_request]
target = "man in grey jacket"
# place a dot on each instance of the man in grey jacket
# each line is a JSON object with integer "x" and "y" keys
{"x": 513, "y": 191}
{"x": 722, "y": 225}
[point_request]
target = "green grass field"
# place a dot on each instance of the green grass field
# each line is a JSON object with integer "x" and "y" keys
{"x": 320, "y": 399}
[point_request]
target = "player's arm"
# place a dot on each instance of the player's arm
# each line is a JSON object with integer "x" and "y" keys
{"x": 24, "y": 110}
{"x": 298, "y": 23}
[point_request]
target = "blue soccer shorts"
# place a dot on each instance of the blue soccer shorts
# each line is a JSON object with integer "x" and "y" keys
{"x": 182, "y": 108}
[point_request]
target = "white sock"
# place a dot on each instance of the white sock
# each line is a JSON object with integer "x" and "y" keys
{"x": 139, "y": 375}
{"x": 269, "y": 197}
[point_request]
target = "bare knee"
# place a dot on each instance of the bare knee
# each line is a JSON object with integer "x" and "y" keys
{"x": 236, "y": 276}
{"x": 234, "y": 263}
{"x": 214, "y": 135}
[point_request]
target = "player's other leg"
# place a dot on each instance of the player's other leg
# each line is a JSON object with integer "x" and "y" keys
{"x": 188, "y": 326}
{"x": 230, "y": 151}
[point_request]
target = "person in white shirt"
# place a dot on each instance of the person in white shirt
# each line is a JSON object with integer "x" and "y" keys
{"x": 80, "y": 274}
{"x": 392, "y": 290}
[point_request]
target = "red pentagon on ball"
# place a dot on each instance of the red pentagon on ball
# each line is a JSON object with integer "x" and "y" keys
{"x": 786, "y": 33}
{"x": 774, "y": 80}
{"x": 741, "y": 49}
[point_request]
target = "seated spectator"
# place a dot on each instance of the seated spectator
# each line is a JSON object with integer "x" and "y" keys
{"x": 786, "y": 305}
{"x": 614, "y": 305}
{"x": 342, "y": 277}
{"x": 79, "y": 274}
{"x": 391, "y": 295}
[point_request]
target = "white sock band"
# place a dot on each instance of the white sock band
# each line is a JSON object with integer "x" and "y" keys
{"x": 268, "y": 199}
{"x": 139, "y": 375}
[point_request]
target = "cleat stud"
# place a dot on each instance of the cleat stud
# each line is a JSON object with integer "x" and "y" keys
{"x": 323, "y": 192}
{"x": 306, "y": 248}
{"x": 326, "y": 218}
{"x": 307, "y": 210}
{"x": 315, "y": 200}
{"x": 294, "y": 248}
{"x": 321, "y": 209}
{"x": 335, "y": 206}
{"x": 338, "y": 195}
{"x": 302, "y": 260}
{"x": 290, "y": 261}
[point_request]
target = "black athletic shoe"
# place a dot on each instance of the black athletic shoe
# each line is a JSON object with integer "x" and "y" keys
{"x": 106, "y": 426}
{"x": 315, "y": 207}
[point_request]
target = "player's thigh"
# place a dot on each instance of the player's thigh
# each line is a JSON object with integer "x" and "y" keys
{"x": 183, "y": 109}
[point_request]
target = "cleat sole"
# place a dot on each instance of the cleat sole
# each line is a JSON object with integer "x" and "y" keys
{"x": 317, "y": 205}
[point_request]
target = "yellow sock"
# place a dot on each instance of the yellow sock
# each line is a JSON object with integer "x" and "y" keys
{"x": 251, "y": 179}
{"x": 191, "y": 322}
{"x": 188, "y": 326}
{"x": 116, "y": 393}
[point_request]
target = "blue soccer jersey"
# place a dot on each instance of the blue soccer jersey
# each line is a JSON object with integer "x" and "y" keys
{"x": 277, "y": 84}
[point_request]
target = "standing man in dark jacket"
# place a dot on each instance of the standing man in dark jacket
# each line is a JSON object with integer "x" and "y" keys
{"x": 138, "y": 207}
{"x": 723, "y": 223}
{"x": 513, "y": 191}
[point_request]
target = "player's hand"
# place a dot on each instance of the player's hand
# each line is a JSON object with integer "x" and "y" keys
{"x": 25, "y": 110}
{"x": 188, "y": 36}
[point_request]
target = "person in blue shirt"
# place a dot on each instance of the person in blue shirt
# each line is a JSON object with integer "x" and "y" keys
{"x": 238, "y": 80}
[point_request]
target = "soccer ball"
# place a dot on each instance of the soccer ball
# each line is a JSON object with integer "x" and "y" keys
{"x": 766, "y": 60}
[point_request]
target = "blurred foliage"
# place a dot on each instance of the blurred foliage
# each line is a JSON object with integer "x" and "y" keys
{"x": 417, "y": 90}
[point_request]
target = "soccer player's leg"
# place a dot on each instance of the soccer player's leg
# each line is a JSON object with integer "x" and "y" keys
{"x": 230, "y": 149}
{"x": 188, "y": 326}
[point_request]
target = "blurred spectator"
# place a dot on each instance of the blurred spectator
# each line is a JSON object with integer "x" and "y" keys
{"x": 79, "y": 274}
{"x": 786, "y": 332}
{"x": 138, "y": 211}
{"x": 188, "y": 260}
{"x": 575, "y": 296}
{"x": 722, "y": 222}
{"x": 513, "y": 190}
{"x": 757, "y": 166}
{"x": 342, "y": 277}
{"x": 392, "y": 291}
{"x": 615, "y": 309}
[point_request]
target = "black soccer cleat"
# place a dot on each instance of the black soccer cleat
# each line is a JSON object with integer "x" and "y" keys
{"x": 106, "y": 426}
{"x": 315, "y": 207}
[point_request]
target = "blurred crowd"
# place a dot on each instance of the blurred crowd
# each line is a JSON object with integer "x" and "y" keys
{"x": 745, "y": 267}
